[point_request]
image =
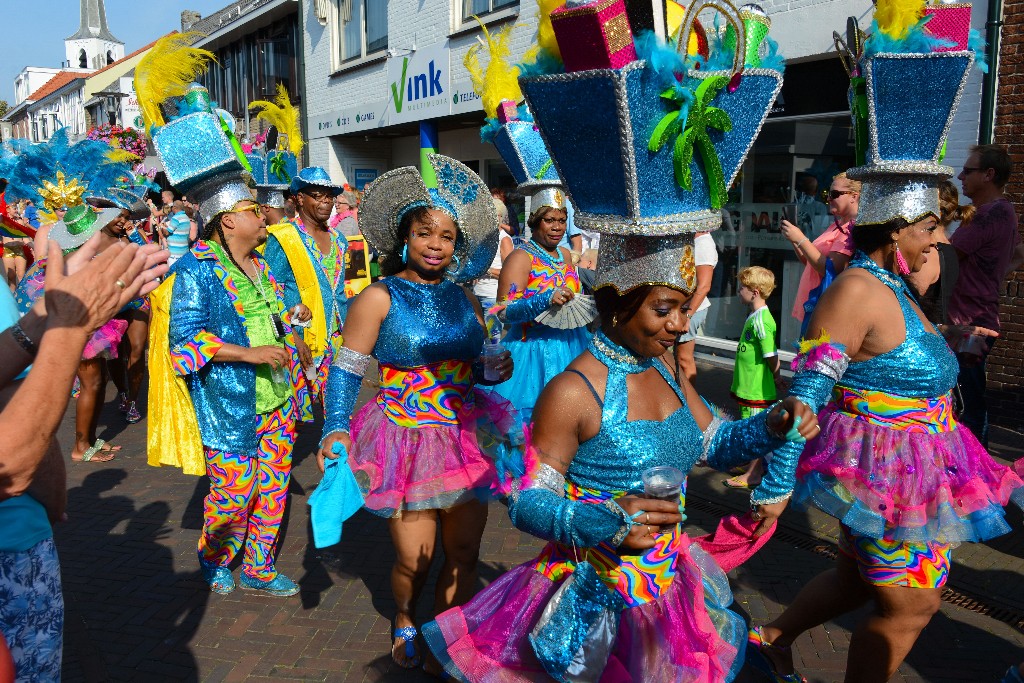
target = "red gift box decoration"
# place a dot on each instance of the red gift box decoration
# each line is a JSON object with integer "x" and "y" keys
{"x": 950, "y": 22}
{"x": 594, "y": 36}
{"x": 507, "y": 111}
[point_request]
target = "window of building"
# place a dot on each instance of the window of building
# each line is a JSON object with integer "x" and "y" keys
{"x": 481, "y": 7}
{"x": 83, "y": 60}
{"x": 364, "y": 28}
{"x": 110, "y": 57}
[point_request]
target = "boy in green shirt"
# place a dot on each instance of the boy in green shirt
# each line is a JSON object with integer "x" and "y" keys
{"x": 757, "y": 369}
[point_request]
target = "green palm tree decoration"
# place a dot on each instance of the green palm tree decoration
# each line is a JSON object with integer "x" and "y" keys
{"x": 689, "y": 124}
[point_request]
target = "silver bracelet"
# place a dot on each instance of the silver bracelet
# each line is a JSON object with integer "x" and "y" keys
{"x": 23, "y": 339}
{"x": 351, "y": 361}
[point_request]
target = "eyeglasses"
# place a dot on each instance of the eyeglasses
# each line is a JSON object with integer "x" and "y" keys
{"x": 552, "y": 221}
{"x": 255, "y": 208}
{"x": 836, "y": 194}
{"x": 320, "y": 196}
{"x": 971, "y": 169}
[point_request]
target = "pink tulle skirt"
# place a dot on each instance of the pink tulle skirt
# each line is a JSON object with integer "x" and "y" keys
{"x": 103, "y": 343}
{"x": 906, "y": 486}
{"x": 428, "y": 468}
{"x": 685, "y": 635}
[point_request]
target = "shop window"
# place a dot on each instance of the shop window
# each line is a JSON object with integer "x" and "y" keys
{"x": 364, "y": 28}
{"x": 482, "y": 7}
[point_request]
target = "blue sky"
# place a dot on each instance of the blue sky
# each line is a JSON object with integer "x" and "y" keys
{"x": 34, "y": 36}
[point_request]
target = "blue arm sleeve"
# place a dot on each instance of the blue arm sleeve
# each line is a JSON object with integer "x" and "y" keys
{"x": 727, "y": 444}
{"x": 813, "y": 387}
{"x": 340, "y": 399}
{"x": 524, "y": 310}
{"x": 548, "y": 514}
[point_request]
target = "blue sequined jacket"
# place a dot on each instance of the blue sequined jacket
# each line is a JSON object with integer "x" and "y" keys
{"x": 206, "y": 313}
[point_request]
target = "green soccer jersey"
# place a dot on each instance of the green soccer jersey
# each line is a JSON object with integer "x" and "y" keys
{"x": 752, "y": 377}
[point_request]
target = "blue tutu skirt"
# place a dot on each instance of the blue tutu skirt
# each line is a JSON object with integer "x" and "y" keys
{"x": 539, "y": 354}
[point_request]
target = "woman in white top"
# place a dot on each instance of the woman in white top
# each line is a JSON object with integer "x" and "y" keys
{"x": 705, "y": 255}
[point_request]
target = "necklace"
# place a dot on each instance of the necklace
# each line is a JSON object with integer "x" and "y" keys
{"x": 534, "y": 248}
{"x": 616, "y": 357}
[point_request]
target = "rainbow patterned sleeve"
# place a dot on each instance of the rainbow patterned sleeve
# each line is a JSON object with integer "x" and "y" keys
{"x": 193, "y": 355}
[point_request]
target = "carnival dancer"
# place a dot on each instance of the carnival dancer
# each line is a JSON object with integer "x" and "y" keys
{"x": 892, "y": 463}
{"x": 540, "y": 277}
{"x": 422, "y": 449}
{"x": 620, "y": 592}
{"x": 308, "y": 258}
{"x": 222, "y": 363}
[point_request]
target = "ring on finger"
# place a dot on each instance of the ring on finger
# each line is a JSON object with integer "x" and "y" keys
{"x": 650, "y": 530}
{"x": 647, "y": 518}
{"x": 120, "y": 283}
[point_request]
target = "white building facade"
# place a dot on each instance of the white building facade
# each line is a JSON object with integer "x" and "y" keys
{"x": 375, "y": 68}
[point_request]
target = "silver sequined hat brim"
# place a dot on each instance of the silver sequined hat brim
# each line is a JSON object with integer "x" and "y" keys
{"x": 545, "y": 196}
{"x": 220, "y": 193}
{"x": 271, "y": 195}
{"x": 626, "y": 262}
{"x": 386, "y": 198}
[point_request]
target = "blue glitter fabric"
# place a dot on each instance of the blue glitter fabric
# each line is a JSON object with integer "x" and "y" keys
{"x": 526, "y": 309}
{"x": 520, "y": 145}
{"x": 427, "y": 324}
{"x": 913, "y": 99}
{"x": 203, "y": 308}
{"x": 341, "y": 393}
{"x": 193, "y": 148}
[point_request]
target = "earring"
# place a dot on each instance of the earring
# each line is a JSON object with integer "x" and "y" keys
{"x": 615, "y": 320}
{"x": 405, "y": 253}
{"x": 457, "y": 262}
{"x": 901, "y": 263}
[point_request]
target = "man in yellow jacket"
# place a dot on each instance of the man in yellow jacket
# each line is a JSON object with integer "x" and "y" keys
{"x": 307, "y": 257}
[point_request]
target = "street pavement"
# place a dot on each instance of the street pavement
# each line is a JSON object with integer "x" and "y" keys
{"x": 137, "y": 609}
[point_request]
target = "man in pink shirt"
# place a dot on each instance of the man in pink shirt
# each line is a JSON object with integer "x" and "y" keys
{"x": 989, "y": 248}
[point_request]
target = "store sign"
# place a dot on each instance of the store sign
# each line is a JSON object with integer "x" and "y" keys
{"x": 464, "y": 98}
{"x": 363, "y": 177}
{"x": 349, "y": 120}
{"x": 419, "y": 84}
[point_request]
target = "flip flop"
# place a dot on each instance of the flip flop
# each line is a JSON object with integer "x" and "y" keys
{"x": 106, "y": 447}
{"x": 408, "y": 635}
{"x": 95, "y": 453}
{"x": 737, "y": 483}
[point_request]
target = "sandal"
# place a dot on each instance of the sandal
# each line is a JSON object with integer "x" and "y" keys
{"x": 408, "y": 635}
{"x": 132, "y": 415}
{"x": 96, "y": 453}
{"x": 738, "y": 483}
{"x": 756, "y": 647}
{"x": 122, "y": 402}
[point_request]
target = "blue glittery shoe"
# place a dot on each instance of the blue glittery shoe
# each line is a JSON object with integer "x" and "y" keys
{"x": 280, "y": 586}
{"x": 218, "y": 578}
{"x": 756, "y": 647}
{"x": 408, "y": 634}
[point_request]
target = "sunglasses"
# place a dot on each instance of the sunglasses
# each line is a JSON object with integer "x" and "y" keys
{"x": 836, "y": 194}
{"x": 971, "y": 169}
{"x": 319, "y": 196}
{"x": 255, "y": 208}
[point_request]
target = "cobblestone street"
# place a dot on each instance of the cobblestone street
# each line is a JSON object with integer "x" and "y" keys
{"x": 138, "y": 610}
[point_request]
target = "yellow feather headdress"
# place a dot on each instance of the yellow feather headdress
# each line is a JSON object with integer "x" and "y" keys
{"x": 166, "y": 71}
{"x": 545, "y": 32}
{"x": 499, "y": 81}
{"x": 896, "y": 17}
{"x": 281, "y": 114}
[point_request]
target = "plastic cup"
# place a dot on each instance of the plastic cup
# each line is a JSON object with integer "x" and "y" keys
{"x": 491, "y": 358}
{"x": 663, "y": 483}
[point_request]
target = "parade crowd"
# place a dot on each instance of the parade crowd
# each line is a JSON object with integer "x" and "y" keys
{"x": 547, "y": 363}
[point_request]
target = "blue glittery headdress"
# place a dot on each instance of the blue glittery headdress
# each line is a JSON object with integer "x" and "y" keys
{"x": 460, "y": 193}
{"x": 904, "y": 99}
{"x": 197, "y": 145}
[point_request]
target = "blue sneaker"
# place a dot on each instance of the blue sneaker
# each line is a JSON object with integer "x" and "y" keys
{"x": 280, "y": 586}
{"x": 219, "y": 578}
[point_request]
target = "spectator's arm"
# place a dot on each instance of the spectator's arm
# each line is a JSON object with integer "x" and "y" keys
{"x": 700, "y": 292}
{"x": 576, "y": 243}
{"x": 1016, "y": 261}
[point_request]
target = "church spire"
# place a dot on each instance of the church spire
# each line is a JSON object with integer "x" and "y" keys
{"x": 94, "y": 23}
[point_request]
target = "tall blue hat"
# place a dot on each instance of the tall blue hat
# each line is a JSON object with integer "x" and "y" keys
{"x": 647, "y": 152}
{"x": 904, "y": 93}
{"x": 521, "y": 147}
{"x": 314, "y": 176}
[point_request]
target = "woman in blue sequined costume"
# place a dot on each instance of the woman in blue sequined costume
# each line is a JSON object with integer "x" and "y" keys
{"x": 611, "y": 595}
{"x": 415, "y": 449}
{"x": 533, "y": 278}
{"x": 891, "y": 463}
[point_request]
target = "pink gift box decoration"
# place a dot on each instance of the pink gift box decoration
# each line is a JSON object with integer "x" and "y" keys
{"x": 507, "y": 111}
{"x": 950, "y": 22}
{"x": 594, "y": 36}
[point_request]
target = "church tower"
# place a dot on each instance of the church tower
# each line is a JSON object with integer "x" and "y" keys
{"x": 93, "y": 46}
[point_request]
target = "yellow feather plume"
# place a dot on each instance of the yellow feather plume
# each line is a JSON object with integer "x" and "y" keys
{"x": 499, "y": 80}
{"x": 281, "y": 115}
{"x": 166, "y": 71}
{"x": 808, "y": 344}
{"x": 895, "y": 17}
{"x": 545, "y": 32}
{"x": 117, "y": 156}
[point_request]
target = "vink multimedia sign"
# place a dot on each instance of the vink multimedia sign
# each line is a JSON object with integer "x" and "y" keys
{"x": 419, "y": 84}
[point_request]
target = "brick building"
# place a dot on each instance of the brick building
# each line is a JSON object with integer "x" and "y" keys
{"x": 1006, "y": 364}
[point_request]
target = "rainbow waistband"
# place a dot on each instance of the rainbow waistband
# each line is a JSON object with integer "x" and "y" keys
{"x": 637, "y": 578}
{"x": 425, "y": 396}
{"x": 919, "y": 415}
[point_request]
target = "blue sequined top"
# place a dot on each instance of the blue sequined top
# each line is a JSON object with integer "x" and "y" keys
{"x": 427, "y": 324}
{"x": 923, "y": 366}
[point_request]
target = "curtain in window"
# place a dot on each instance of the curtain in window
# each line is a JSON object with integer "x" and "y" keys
{"x": 471, "y": 7}
{"x": 376, "y": 25}
{"x": 352, "y": 31}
